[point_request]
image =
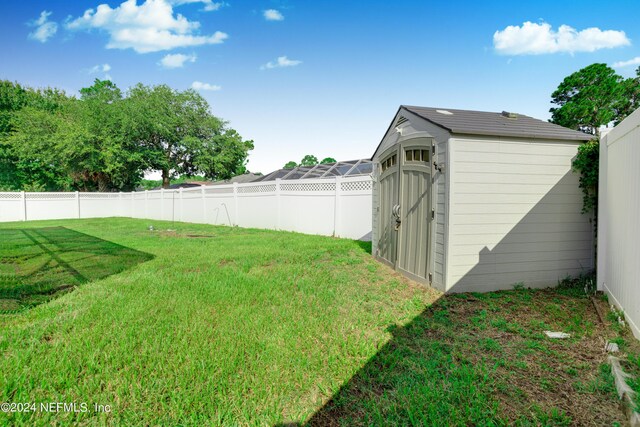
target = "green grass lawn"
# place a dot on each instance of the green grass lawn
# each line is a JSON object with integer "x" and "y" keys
{"x": 225, "y": 326}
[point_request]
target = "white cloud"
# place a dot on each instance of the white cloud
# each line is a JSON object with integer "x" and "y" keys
{"x": 150, "y": 27}
{"x": 204, "y": 86}
{"x": 281, "y": 62}
{"x": 177, "y": 60}
{"x": 212, "y": 6}
{"x": 100, "y": 68}
{"x": 273, "y": 15}
{"x": 45, "y": 29}
{"x": 620, "y": 64}
{"x": 209, "y": 5}
{"x": 103, "y": 68}
{"x": 537, "y": 39}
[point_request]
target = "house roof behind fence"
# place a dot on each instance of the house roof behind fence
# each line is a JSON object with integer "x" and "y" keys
{"x": 240, "y": 179}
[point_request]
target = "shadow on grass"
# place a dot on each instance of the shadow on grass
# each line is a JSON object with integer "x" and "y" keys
{"x": 420, "y": 377}
{"x": 364, "y": 245}
{"x": 482, "y": 359}
{"x": 39, "y": 264}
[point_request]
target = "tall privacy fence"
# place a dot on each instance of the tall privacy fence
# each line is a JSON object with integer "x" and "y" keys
{"x": 618, "y": 218}
{"x": 339, "y": 206}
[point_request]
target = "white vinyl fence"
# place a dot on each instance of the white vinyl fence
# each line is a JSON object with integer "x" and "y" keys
{"x": 619, "y": 218}
{"x": 338, "y": 206}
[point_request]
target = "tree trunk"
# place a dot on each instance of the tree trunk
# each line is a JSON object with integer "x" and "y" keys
{"x": 165, "y": 178}
{"x": 103, "y": 182}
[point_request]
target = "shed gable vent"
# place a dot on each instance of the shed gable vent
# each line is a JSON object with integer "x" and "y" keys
{"x": 401, "y": 120}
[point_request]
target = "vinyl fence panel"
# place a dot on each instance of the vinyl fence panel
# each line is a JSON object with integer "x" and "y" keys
{"x": 339, "y": 206}
{"x": 618, "y": 218}
{"x": 12, "y": 206}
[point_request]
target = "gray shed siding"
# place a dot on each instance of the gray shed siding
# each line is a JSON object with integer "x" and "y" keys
{"x": 515, "y": 214}
{"x": 441, "y": 202}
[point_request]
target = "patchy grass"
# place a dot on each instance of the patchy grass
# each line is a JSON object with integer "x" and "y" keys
{"x": 483, "y": 359}
{"x": 227, "y": 326}
{"x": 634, "y": 369}
{"x": 628, "y": 344}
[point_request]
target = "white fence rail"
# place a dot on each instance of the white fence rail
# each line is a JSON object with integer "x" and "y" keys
{"x": 618, "y": 218}
{"x": 338, "y": 206}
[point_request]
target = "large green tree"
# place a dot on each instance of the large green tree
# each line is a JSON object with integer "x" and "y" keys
{"x": 98, "y": 154}
{"x": 81, "y": 140}
{"x": 631, "y": 98}
{"x": 592, "y": 97}
{"x": 103, "y": 140}
{"x": 178, "y": 135}
{"x": 23, "y": 112}
{"x": 13, "y": 97}
{"x": 589, "y": 98}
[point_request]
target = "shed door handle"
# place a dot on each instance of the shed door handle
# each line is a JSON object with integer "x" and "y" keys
{"x": 395, "y": 211}
{"x": 396, "y": 215}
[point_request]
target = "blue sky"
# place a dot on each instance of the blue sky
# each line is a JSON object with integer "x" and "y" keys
{"x": 324, "y": 77}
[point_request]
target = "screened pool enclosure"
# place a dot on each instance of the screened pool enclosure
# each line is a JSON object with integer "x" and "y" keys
{"x": 328, "y": 170}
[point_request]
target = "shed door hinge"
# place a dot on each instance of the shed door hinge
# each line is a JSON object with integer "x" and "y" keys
{"x": 430, "y": 278}
{"x": 433, "y": 213}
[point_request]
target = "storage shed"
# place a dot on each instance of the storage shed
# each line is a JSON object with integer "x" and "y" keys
{"x": 479, "y": 201}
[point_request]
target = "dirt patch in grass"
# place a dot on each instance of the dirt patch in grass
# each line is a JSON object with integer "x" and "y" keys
{"x": 474, "y": 358}
{"x": 9, "y": 305}
{"x": 568, "y": 376}
{"x": 225, "y": 261}
{"x": 178, "y": 234}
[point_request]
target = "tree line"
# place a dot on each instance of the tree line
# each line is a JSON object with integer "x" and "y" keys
{"x": 309, "y": 160}
{"x": 106, "y": 139}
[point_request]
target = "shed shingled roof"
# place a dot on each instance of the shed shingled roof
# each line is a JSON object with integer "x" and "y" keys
{"x": 486, "y": 123}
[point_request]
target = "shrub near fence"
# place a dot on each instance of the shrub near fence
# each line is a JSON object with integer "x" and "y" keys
{"x": 339, "y": 206}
